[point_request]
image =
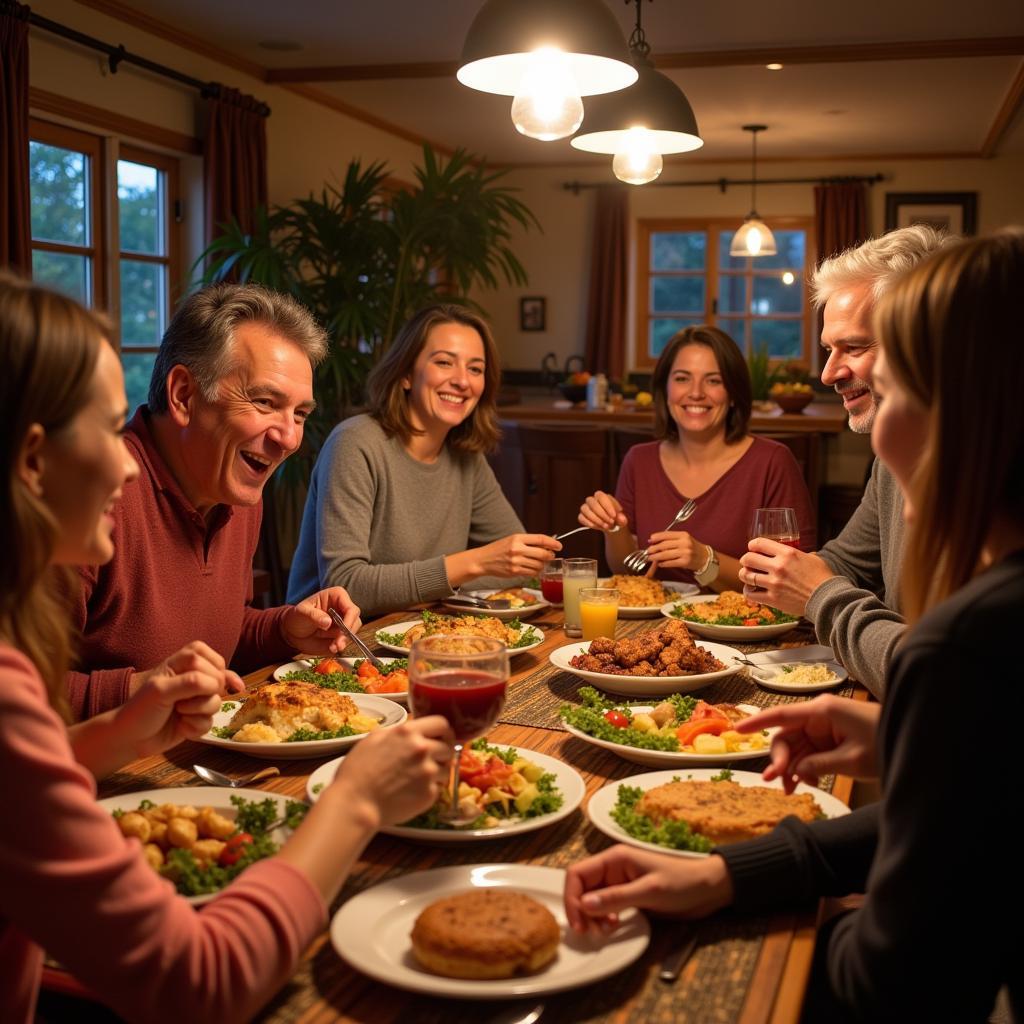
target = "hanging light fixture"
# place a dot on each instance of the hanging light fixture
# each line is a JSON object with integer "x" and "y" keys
{"x": 547, "y": 55}
{"x": 754, "y": 237}
{"x": 641, "y": 123}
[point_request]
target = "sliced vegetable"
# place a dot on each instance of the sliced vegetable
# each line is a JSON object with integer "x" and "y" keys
{"x": 686, "y": 734}
{"x": 616, "y": 718}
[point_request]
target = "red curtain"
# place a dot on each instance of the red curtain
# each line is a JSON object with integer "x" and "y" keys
{"x": 15, "y": 206}
{"x": 840, "y": 216}
{"x": 605, "y": 348}
{"x": 235, "y": 160}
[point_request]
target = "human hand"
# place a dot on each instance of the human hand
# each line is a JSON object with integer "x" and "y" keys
{"x": 602, "y": 512}
{"x": 308, "y": 628}
{"x": 193, "y": 657}
{"x": 781, "y": 576}
{"x": 676, "y": 549}
{"x": 397, "y": 771}
{"x": 169, "y": 708}
{"x": 520, "y": 554}
{"x": 599, "y": 888}
{"x": 818, "y": 737}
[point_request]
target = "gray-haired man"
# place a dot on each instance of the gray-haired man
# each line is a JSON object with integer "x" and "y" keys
{"x": 849, "y": 589}
{"x": 231, "y": 390}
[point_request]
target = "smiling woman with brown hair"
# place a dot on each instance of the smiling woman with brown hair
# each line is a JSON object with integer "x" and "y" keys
{"x": 703, "y": 451}
{"x": 402, "y": 506}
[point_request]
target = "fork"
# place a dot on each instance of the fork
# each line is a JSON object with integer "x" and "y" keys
{"x": 637, "y": 561}
{"x": 580, "y": 529}
{"x": 367, "y": 653}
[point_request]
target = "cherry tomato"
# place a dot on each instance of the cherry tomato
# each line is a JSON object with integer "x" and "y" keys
{"x": 328, "y": 665}
{"x": 366, "y": 669}
{"x": 616, "y": 718}
{"x": 751, "y": 622}
{"x": 233, "y": 849}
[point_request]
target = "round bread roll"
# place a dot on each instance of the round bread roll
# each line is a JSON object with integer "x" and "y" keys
{"x": 485, "y": 933}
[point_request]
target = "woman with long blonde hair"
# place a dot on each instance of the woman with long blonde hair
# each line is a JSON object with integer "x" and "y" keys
{"x": 72, "y": 883}
{"x": 934, "y": 938}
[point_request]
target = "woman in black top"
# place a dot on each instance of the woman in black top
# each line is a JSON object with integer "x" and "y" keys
{"x": 939, "y": 931}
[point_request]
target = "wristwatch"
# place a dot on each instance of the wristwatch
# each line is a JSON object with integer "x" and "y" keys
{"x": 708, "y": 572}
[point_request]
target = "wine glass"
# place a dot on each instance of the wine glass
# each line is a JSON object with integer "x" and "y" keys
{"x": 463, "y": 679}
{"x": 776, "y": 524}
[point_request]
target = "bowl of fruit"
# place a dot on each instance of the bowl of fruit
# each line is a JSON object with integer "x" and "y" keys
{"x": 574, "y": 387}
{"x": 792, "y": 397}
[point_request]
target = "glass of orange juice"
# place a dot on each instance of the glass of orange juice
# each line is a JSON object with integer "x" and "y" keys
{"x": 599, "y": 611}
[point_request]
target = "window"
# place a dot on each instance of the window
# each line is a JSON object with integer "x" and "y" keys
{"x": 686, "y": 276}
{"x": 127, "y": 262}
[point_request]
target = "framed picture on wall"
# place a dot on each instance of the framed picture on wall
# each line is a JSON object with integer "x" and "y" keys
{"x": 532, "y": 313}
{"x": 950, "y": 211}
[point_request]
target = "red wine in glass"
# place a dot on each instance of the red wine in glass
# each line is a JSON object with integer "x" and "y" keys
{"x": 470, "y": 700}
{"x": 551, "y": 588}
{"x": 777, "y": 524}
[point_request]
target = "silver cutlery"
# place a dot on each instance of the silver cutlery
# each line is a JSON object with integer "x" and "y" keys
{"x": 367, "y": 653}
{"x": 673, "y": 964}
{"x": 214, "y": 778}
{"x": 472, "y": 601}
{"x": 580, "y": 529}
{"x": 517, "y": 1015}
{"x": 637, "y": 561}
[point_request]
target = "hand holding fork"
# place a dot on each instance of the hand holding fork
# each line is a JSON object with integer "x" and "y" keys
{"x": 637, "y": 561}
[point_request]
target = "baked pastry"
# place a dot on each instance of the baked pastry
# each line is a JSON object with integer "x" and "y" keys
{"x": 485, "y": 934}
{"x": 273, "y": 712}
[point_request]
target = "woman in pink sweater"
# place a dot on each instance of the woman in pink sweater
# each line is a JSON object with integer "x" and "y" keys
{"x": 72, "y": 884}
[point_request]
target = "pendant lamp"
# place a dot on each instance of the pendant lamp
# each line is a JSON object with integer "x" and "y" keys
{"x": 642, "y": 122}
{"x": 547, "y": 54}
{"x": 754, "y": 237}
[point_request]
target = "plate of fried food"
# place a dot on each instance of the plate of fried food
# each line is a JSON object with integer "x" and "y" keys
{"x": 642, "y": 598}
{"x": 730, "y": 616}
{"x": 657, "y": 661}
{"x": 479, "y": 931}
{"x": 686, "y": 814}
{"x": 504, "y": 791}
{"x": 523, "y": 601}
{"x": 516, "y": 636}
{"x": 292, "y": 720}
{"x": 680, "y": 730}
{"x": 351, "y": 675}
{"x": 202, "y": 838}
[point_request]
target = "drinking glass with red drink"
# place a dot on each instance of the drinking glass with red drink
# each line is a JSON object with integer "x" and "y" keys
{"x": 551, "y": 581}
{"x": 463, "y": 679}
{"x": 778, "y": 524}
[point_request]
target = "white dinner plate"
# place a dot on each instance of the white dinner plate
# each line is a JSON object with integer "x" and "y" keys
{"x": 745, "y": 634}
{"x": 505, "y": 614}
{"x": 304, "y": 665}
{"x": 404, "y": 627}
{"x": 368, "y": 703}
{"x": 567, "y": 779}
{"x": 371, "y": 932}
{"x": 646, "y": 686}
{"x": 773, "y": 677}
{"x": 217, "y": 797}
{"x": 601, "y": 803}
{"x": 665, "y": 758}
{"x": 651, "y": 611}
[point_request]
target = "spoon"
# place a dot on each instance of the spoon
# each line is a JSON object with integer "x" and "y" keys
{"x": 214, "y": 778}
{"x": 517, "y": 1015}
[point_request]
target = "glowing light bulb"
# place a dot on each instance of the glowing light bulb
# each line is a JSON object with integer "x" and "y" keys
{"x": 547, "y": 105}
{"x": 788, "y": 278}
{"x": 753, "y": 241}
{"x": 638, "y": 162}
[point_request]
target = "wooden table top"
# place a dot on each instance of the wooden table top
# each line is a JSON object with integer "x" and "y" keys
{"x": 748, "y": 970}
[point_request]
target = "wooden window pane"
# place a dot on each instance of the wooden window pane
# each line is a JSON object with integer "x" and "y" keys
{"x": 143, "y": 303}
{"x": 792, "y": 246}
{"x": 773, "y": 296}
{"x": 677, "y": 294}
{"x": 58, "y": 184}
{"x": 662, "y": 329}
{"x": 138, "y": 368}
{"x": 65, "y": 272}
{"x": 141, "y": 206}
{"x": 732, "y": 293}
{"x": 782, "y": 337}
{"x": 679, "y": 250}
{"x": 736, "y": 329}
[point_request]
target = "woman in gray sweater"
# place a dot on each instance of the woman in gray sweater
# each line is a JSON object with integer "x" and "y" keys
{"x": 402, "y": 505}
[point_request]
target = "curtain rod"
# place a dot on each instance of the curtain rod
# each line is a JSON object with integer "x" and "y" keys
{"x": 117, "y": 54}
{"x": 723, "y": 183}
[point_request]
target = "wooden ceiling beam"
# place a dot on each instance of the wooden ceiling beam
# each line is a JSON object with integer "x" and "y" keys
{"x": 933, "y": 49}
{"x": 1007, "y": 112}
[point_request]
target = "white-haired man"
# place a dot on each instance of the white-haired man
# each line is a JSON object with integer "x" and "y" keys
{"x": 231, "y": 389}
{"x": 849, "y": 589}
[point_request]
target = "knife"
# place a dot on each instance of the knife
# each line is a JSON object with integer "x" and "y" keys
{"x": 367, "y": 653}
{"x": 678, "y": 959}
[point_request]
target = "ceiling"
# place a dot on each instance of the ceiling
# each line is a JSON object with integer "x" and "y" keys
{"x": 873, "y": 79}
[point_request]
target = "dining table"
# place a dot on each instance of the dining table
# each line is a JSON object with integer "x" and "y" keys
{"x": 745, "y": 969}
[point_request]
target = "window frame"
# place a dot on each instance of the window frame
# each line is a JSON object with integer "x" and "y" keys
{"x": 640, "y": 359}
{"x": 104, "y": 150}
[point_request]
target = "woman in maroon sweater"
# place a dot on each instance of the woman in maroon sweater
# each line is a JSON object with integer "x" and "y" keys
{"x": 702, "y": 402}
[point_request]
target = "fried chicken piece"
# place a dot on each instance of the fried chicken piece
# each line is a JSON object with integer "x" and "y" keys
{"x": 670, "y": 656}
{"x": 642, "y": 647}
{"x": 602, "y": 645}
{"x": 675, "y": 633}
{"x": 642, "y": 668}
